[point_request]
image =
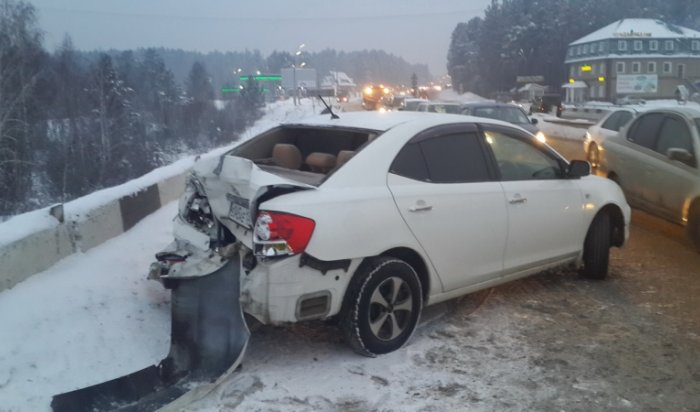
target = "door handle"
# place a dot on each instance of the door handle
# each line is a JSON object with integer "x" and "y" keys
{"x": 420, "y": 207}
{"x": 517, "y": 200}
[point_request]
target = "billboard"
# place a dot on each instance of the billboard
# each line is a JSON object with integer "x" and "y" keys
{"x": 305, "y": 78}
{"x": 637, "y": 83}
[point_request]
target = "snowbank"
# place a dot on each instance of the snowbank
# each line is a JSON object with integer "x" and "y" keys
{"x": 451, "y": 95}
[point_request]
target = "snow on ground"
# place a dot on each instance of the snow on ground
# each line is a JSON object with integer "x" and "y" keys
{"x": 91, "y": 317}
{"x": 557, "y": 130}
{"x": 451, "y": 95}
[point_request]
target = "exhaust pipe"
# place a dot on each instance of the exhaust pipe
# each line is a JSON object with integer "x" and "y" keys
{"x": 209, "y": 337}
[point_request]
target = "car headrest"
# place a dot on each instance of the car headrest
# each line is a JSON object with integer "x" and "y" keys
{"x": 320, "y": 162}
{"x": 344, "y": 156}
{"x": 286, "y": 155}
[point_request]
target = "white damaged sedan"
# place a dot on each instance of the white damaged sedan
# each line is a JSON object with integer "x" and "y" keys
{"x": 370, "y": 217}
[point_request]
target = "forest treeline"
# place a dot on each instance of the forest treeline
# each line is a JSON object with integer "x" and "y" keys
{"x": 530, "y": 37}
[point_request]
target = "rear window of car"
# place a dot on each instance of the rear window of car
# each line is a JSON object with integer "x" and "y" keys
{"x": 617, "y": 120}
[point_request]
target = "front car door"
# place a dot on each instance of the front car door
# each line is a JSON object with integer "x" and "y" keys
{"x": 545, "y": 209}
{"x": 671, "y": 180}
{"x": 445, "y": 190}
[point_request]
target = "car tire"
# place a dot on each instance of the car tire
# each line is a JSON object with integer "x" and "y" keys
{"x": 593, "y": 156}
{"x": 596, "y": 248}
{"x": 693, "y": 227}
{"x": 382, "y": 306}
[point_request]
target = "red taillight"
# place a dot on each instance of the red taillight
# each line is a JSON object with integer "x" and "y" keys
{"x": 282, "y": 233}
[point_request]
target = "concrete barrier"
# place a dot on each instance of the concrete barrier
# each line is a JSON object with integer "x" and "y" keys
{"x": 33, "y": 254}
{"x": 80, "y": 232}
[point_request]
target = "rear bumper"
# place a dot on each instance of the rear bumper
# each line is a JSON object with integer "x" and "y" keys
{"x": 283, "y": 291}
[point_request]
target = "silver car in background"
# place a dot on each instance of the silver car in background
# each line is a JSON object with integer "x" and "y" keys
{"x": 606, "y": 127}
{"x": 655, "y": 161}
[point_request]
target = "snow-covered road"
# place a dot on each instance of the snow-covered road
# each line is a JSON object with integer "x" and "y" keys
{"x": 550, "y": 342}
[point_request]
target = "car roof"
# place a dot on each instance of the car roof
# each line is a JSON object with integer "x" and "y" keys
{"x": 691, "y": 111}
{"x": 488, "y": 104}
{"x": 383, "y": 121}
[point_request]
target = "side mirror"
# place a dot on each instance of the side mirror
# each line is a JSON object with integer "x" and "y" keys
{"x": 681, "y": 155}
{"x": 533, "y": 121}
{"x": 578, "y": 169}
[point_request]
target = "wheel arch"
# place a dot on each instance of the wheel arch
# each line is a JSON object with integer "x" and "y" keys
{"x": 416, "y": 261}
{"x": 691, "y": 204}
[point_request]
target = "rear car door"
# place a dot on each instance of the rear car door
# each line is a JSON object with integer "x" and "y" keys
{"x": 444, "y": 188}
{"x": 545, "y": 216}
{"x": 628, "y": 157}
{"x": 671, "y": 180}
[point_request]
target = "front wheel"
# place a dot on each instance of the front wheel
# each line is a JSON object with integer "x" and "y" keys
{"x": 383, "y": 305}
{"x": 596, "y": 248}
{"x": 693, "y": 228}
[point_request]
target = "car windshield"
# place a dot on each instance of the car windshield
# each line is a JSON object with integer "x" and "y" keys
{"x": 507, "y": 114}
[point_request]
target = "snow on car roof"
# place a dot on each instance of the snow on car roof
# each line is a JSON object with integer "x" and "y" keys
{"x": 648, "y": 28}
{"x": 383, "y": 121}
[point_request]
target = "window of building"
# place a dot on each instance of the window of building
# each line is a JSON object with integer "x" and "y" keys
{"x": 681, "y": 71}
{"x": 653, "y": 45}
{"x": 585, "y": 49}
{"x": 572, "y": 71}
{"x": 602, "y": 46}
{"x": 669, "y": 45}
{"x": 578, "y": 50}
{"x": 637, "y": 45}
{"x": 620, "y": 67}
{"x": 668, "y": 67}
{"x": 622, "y": 45}
{"x": 601, "y": 69}
{"x": 571, "y": 51}
{"x": 636, "y": 67}
{"x": 651, "y": 67}
{"x": 593, "y": 48}
{"x": 695, "y": 45}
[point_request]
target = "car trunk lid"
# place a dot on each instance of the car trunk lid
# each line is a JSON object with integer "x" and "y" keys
{"x": 234, "y": 186}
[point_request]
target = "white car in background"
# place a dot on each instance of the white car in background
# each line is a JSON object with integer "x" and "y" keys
{"x": 370, "y": 217}
{"x": 606, "y": 127}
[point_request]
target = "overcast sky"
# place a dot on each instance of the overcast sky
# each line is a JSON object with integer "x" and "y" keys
{"x": 417, "y": 30}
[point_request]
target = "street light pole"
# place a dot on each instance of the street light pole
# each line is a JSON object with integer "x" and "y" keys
{"x": 294, "y": 72}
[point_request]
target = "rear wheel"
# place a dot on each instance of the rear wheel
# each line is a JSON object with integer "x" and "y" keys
{"x": 596, "y": 248}
{"x": 382, "y": 307}
{"x": 593, "y": 156}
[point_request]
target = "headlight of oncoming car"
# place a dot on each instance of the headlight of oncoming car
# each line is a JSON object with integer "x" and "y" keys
{"x": 541, "y": 137}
